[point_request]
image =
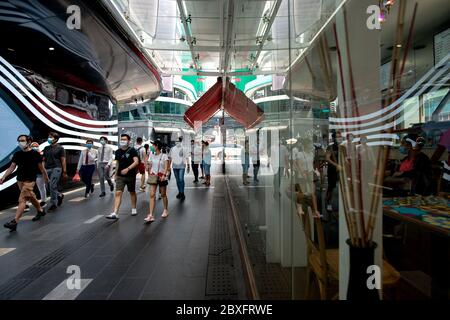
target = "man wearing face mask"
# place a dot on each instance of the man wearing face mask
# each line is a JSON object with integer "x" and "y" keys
{"x": 40, "y": 181}
{"x": 86, "y": 166}
{"x": 127, "y": 161}
{"x": 55, "y": 164}
{"x": 179, "y": 159}
{"x": 28, "y": 163}
{"x": 105, "y": 159}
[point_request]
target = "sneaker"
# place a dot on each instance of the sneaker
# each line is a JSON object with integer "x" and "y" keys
{"x": 60, "y": 199}
{"x": 38, "y": 216}
{"x": 329, "y": 207}
{"x": 142, "y": 189}
{"x": 111, "y": 187}
{"x": 27, "y": 208}
{"x": 12, "y": 225}
{"x": 165, "y": 213}
{"x": 86, "y": 195}
{"x": 92, "y": 188}
{"x": 52, "y": 208}
{"x": 195, "y": 181}
{"x": 43, "y": 204}
{"x": 102, "y": 194}
{"x": 182, "y": 196}
{"x": 178, "y": 196}
{"x": 133, "y": 212}
{"x": 112, "y": 216}
{"x": 159, "y": 197}
{"x": 202, "y": 177}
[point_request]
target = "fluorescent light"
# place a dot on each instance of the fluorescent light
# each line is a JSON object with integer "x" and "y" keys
{"x": 51, "y": 48}
{"x": 272, "y": 98}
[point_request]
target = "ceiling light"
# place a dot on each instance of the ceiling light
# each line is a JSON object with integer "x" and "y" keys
{"x": 11, "y": 49}
{"x": 398, "y": 45}
{"x": 51, "y": 48}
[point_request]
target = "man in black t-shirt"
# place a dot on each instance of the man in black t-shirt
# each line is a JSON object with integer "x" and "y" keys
{"x": 55, "y": 165}
{"x": 28, "y": 163}
{"x": 127, "y": 161}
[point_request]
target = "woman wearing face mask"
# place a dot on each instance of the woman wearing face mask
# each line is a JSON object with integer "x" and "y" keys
{"x": 86, "y": 166}
{"x": 158, "y": 170}
{"x": 207, "y": 163}
{"x": 40, "y": 181}
{"x": 414, "y": 171}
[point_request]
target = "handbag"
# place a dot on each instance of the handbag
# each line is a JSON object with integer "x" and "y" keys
{"x": 76, "y": 178}
{"x": 153, "y": 178}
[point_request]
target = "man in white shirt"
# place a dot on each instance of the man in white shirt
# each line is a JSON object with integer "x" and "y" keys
{"x": 105, "y": 159}
{"x": 86, "y": 166}
{"x": 179, "y": 158}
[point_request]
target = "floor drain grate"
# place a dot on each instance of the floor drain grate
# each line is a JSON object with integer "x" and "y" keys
{"x": 220, "y": 282}
{"x": 14, "y": 285}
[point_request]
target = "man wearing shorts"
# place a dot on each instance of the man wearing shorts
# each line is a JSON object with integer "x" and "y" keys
{"x": 28, "y": 163}
{"x": 127, "y": 161}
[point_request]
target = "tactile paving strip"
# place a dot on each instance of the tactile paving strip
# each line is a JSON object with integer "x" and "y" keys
{"x": 221, "y": 281}
{"x": 14, "y": 285}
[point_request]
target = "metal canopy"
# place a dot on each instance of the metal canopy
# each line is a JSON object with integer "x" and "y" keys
{"x": 220, "y": 37}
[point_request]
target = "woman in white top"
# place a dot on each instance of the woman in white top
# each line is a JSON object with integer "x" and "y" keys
{"x": 86, "y": 166}
{"x": 158, "y": 170}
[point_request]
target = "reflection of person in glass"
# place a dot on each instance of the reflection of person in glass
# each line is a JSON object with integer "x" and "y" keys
{"x": 86, "y": 166}
{"x": 333, "y": 167}
{"x": 245, "y": 162}
{"x": 28, "y": 163}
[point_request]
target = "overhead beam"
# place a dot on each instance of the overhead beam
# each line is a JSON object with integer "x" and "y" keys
{"x": 220, "y": 74}
{"x": 229, "y": 35}
{"x": 182, "y": 47}
{"x": 187, "y": 32}
{"x": 266, "y": 32}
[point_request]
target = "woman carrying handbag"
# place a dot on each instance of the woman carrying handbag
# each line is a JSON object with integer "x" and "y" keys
{"x": 158, "y": 170}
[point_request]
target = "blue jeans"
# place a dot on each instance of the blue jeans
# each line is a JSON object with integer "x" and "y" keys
{"x": 179, "y": 177}
{"x": 54, "y": 174}
{"x": 206, "y": 169}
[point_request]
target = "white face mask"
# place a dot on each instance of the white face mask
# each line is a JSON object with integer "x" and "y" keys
{"x": 23, "y": 144}
{"x": 103, "y": 142}
{"x": 36, "y": 149}
{"x": 123, "y": 143}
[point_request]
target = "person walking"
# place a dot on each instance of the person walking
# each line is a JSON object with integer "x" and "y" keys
{"x": 55, "y": 165}
{"x": 142, "y": 155}
{"x": 40, "y": 181}
{"x": 127, "y": 161}
{"x": 179, "y": 159}
{"x": 28, "y": 163}
{"x": 105, "y": 159}
{"x": 245, "y": 162}
{"x": 86, "y": 166}
{"x": 195, "y": 152}
{"x": 207, "y": 163}
{"x": 158, "y": 171}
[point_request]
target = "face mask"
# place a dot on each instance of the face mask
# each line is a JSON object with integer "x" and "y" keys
{"x": 36, "y": 149}
{"x": 103, "y": 142}
{"x": 339, "y": 140}
{"x": 50, "y": 140}
{"x": 89, "y": 145}
{"x": 123, "y": 143}
{"x": 23, "y": 144}
{"x": 403, "y": 150}
{"x": 152, "y": 149}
